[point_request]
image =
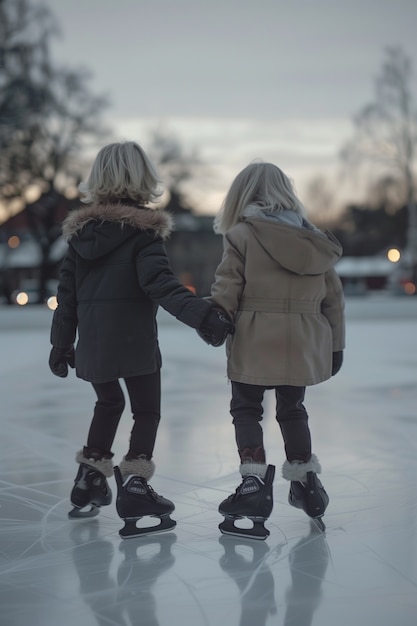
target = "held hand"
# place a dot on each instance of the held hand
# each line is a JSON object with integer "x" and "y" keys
{"x": 59, "y": 359}
{"x": 215, "y": 327}
{"x": 337, "y": 361}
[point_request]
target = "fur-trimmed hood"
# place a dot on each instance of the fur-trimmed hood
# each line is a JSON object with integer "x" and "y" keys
{"x": 95, "y": 230}
{"x": 123, "y": 214}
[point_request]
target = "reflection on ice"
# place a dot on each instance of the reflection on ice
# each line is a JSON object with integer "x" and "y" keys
{"x": 127, "y": 595}
{"x": 363, "y": 570}
{"x": 249, "y": 569}
{"x": 308, "y": 560}
{"x": 139, "y": 572}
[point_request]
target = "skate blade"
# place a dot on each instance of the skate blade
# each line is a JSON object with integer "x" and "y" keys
{"x": 318, "y": 524}
{"x": 131, "y": 530}
{"x": 78, "y": 513}
{"x": 258, "y": 531}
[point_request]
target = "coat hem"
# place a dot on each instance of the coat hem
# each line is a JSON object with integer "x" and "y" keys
{"x": 275, "y": 382}
{"x": 117, "y": 376}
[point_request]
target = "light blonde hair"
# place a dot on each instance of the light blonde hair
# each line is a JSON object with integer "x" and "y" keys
{"x": 121, "y": 171}
{"x": 259, "y": 185}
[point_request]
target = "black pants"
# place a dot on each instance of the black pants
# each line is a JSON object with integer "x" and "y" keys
{"x": 145, "y": 400}
{"x": 247, "y": 411}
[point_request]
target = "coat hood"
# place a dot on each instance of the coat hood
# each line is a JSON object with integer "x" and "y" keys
{"x": 301, "y": 250}
{"x": 95, "y": 230}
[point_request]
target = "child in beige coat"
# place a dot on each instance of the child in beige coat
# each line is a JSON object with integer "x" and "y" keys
{"x": 277, "y": 282}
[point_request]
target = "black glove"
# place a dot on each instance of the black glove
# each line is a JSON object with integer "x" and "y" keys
{"x": 337, "y": 361}
{"x": 215, "y": 327}
{"x": 59, "y": 359}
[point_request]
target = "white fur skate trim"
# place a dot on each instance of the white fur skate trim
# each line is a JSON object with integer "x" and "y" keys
{"x": 137, "y": 467}
{"x": 298, "y": 471}
{"x": 105, "y": 466}
{"x": 257, "y": 469}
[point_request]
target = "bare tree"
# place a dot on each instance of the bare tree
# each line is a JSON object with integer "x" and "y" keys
{"x": 47, "y": 115}
{"x": 24, "y": 78}
{"x": 386, "y": 135}
{"x": 176, "y": 167}
{"x": 321, "y": 201}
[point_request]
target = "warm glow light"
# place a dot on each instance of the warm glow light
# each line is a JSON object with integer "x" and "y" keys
{"x": 186, "y": 279}
{"x": 32, "y": 193}
{"x": 71, "y": 193}
{"x": 52, "y": 303}
{"x": 22, "y": 298}
{"x": 13, "y": 241}
{"x": 394, "y": 255}
{"x": 410, "y": 288}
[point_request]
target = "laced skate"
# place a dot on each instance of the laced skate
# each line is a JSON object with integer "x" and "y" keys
{"x": 252, "y": 499}
{"x": 91, "y": 491}
{"x": 311, "y": 497}
{"x": 137, "y": 499}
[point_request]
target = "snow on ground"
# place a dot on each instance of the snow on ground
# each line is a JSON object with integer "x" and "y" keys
{"x": 363, "y": 570}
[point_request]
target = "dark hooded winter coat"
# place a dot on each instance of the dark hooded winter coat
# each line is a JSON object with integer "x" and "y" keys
{"x": 114, "y": 276}
{"x": 277, "y": 283}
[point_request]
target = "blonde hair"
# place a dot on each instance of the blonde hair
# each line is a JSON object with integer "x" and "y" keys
{"x": 120, "y": 171}
{"x": 260, "y": 186}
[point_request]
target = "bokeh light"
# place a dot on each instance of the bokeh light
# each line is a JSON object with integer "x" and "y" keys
{"x": 394, "y": 255}
{"x": 410, "y": 288}
{"x": 13, "y": 241}
{"x": 22, "y": 298}
{"x": 52, "y": 303}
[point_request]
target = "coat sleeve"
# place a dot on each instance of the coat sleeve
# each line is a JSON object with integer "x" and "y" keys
{"x": 64, "y": 321}
{"x": 333, "y": 308}
{"x": 160, "y": 284}
{"x": 229, "y": 283}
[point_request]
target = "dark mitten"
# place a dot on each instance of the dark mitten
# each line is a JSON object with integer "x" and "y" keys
{"x": 337, "y": 361}
{"x": 215, "y": 327}
{"x": 59, "y": 359}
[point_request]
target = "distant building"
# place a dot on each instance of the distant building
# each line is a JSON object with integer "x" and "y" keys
{"x": 362, "y": 274}
{"x": 193, "y": 249}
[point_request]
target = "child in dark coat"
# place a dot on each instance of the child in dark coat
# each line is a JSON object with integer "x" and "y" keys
{"x": 114, "y": 276}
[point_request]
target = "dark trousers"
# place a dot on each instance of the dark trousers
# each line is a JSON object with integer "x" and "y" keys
{"x": 145, "y": 400}
{"x": 247, "y": 412}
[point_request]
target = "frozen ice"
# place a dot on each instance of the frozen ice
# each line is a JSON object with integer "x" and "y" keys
{"x": 363, "y": 570}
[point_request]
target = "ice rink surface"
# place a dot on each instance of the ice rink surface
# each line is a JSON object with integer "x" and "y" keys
{"x": 362, "y": 571}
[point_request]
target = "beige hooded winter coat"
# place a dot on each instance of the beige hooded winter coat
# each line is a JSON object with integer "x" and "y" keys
{"x": 277, "y": 282}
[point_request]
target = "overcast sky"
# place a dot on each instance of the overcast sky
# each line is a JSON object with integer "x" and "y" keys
{"x": 236, "y": 79}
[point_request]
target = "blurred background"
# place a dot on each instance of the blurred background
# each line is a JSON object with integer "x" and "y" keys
{"x": 325, "y": 90}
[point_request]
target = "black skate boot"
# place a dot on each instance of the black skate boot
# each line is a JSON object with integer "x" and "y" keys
{"x": 91, "y": 489}
{"x": 252, "y": 499}
{"x": 306, "y": 491}
{"x": 136, "y": 499}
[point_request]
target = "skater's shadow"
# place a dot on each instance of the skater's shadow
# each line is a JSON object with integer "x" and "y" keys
{"x": 145, "y": 559}
{"x": 308, "y": 561}
{"x": 245, "y": 561}
{"x": 124, "y": 600}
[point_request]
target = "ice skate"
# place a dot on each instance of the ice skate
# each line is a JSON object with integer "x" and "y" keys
{"x": 137, "y": 499}
{"x": 306, "y": 491}
{"x": 91, "y": 489}
{"x": 253, "y": 499}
